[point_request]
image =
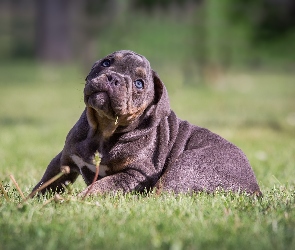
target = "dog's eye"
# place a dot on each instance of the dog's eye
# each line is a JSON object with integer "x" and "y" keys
{"x": 138, "y": 84}
{"x": 106, "y": 63}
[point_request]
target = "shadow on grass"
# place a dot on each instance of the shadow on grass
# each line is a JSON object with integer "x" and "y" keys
{"x": 8, "y": 121}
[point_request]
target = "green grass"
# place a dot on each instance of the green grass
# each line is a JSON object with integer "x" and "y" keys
{"x": 256, "y": 111}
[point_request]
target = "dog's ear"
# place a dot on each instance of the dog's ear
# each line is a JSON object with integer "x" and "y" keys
{"x": 161, "y": 99}
{"x": 158, "y": 110}
{"x": 158, "y": 86}
{"x": 160, "y": 90}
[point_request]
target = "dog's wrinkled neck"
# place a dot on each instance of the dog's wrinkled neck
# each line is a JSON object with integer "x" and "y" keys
{"x": 102, "y": 125}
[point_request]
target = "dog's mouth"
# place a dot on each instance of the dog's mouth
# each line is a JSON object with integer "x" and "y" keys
{"x": 110, "y": 101}
{"x": 99, "y": 101}
{"x": 102, "y": 103}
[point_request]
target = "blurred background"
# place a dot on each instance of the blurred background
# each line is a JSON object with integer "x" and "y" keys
{"x": 228, "y": 65}
{"x": 203, "y": 36}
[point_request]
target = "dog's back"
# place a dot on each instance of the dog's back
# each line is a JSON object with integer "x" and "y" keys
{"x": 200, "y": 160}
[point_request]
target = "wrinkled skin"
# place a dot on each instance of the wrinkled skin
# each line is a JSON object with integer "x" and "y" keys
{"x": 141, "y": 142}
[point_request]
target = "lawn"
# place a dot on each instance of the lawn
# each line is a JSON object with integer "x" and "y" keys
{"x": 254, "y": 110}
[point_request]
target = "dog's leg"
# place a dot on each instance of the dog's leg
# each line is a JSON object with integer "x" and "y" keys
{"x": 52, "y": 170}
{"x": 210, "y": 169}
{"x": 133, "y": 178}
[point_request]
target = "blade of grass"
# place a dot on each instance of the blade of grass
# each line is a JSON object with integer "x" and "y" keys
{"x": 96, "y": 162}
{"x": 64, "y": 170}
{"x": 17, "y": 186}
{"x": 4, "y": 193}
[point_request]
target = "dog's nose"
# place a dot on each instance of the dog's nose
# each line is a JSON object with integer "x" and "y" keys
{"x": 112, "y": 79}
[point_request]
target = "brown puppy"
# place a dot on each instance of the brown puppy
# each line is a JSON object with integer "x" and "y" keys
{"x": 141, "y": 142}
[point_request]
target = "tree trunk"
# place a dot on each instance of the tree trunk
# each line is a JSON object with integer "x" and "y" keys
{"x": 54, "y": 28}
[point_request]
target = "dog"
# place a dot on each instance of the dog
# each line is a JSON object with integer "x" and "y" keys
{"x": 141, "y": 142}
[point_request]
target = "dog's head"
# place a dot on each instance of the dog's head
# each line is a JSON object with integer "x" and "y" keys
{"x": 120, "y": 87}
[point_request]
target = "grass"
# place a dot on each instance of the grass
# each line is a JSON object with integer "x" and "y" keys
{"x": 256, "y": 111}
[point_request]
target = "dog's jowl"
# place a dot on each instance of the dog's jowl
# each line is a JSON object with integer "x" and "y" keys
{"x": 141, "y": 142}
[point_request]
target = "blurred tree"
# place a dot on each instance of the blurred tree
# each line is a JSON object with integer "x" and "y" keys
{"x": 270, "y": 19}
{"x": 5, "y": 36}
{"x": 216, "y": 37}
{"x": 267, "y": 28}
{"x": 150, "y": 4}
{"x": 236, "y": 32}
{"x": 222, "y": 33}
{"x": 69, "y": 28}
{"x": 97, "y": 14}
{"x": 55, "y": 28}
{"x": 17, "y": 34}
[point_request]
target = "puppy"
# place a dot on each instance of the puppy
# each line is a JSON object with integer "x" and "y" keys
{"x": 141, "y": 142}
